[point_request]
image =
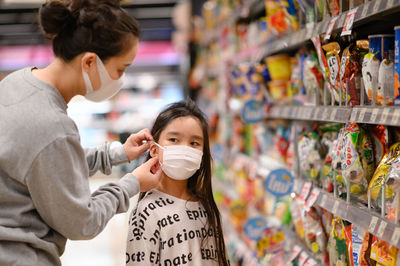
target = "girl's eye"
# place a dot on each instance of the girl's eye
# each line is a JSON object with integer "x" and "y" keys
{"x": 173, "y": 140}
{"x": 194, "y": 143}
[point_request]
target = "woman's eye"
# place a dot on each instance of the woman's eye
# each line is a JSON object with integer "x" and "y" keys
{"x": 173, "y": 140}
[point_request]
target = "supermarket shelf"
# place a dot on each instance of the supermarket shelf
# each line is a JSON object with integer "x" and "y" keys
{"x": 314, "y": 113}
{"x": 359, "y": 215}
{"x": 249, "y": 7}
{"x": 369, "y": 115}
{"x": 365, "y": 13}
{"x": 376, "y": 115}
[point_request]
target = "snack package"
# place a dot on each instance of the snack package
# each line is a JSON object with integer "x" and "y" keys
{"x": 384, "y": 253}
{"x": 309, "y": 157}
{"x": 357, "y": 235}
{"x": 296, "y": 211}
{"x": 329, "y": 133}
{"x": 393, "y": 181}
{"x": 380, "y": 137}
{"x": 386, "y": 83}
{"x": 315, "y": 237}
{"x": 332, "y": 55}
{"x": 356, "y": 155}
{"x": 350, "y": 71}
{"x": 364, "y": 257}
{"x": 313, "y": 79}
{"x": 380, "y": 179}
{"x": 337, "y": 248}
{"x": 370, "y": 72}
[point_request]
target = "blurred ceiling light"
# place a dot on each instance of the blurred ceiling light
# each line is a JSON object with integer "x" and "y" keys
{"x": 146, "y": 82}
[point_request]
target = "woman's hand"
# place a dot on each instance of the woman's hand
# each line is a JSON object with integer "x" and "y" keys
{"x": 137, "y": 143}
{"x": 148, "y": 174}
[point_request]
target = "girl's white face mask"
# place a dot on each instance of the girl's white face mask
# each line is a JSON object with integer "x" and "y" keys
{"x": 180, "y": 162}
{"x": 108, "y": 86}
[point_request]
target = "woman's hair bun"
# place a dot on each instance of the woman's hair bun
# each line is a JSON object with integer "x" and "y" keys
{"x": 56, "y": 17}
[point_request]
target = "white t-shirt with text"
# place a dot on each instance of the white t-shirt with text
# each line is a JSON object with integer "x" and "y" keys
{"x": 168, "y": 231}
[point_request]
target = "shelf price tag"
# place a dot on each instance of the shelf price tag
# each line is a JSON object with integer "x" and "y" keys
{"x": 331, "y": 25}
{"x": 361, "y": 116}
{"x": 326, "y": 113}
{"x": 333, "y": 114}
{"x": 396, "y": 117}
{"x": 285, "y": 112}
{"x": 354, "y": 113}
{"x": 365, "y": 10}
{"x": 376, "y": 6}
{"x": 385, "y": 115}
{"x": 348, "y": 24}
{"x": 311, "y": 262}
{"x": 381, "y": 229}
{"x": 295, "y": 252}
{"x": 372, "y": 224}
{"x": 374, "y": 114}
{"x": 304, "y": 192}
{"x": 395, "y": 236}
{"x": 303, "y": 257}
{"x": 335, "y": 207}
{"x": 316, "y": 113}
{"x": 323, "y": 201}
{"x": 312, "y": 198}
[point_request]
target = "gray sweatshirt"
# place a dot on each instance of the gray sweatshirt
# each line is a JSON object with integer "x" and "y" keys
{"x": 44, "y": 188}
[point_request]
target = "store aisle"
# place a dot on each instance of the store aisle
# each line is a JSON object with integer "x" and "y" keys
{"x": 108, "y": 248}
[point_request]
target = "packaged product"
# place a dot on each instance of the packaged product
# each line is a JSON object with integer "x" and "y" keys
{"x": 279, "y": 67}
{"x": 350, "y": 71}
{"x": 337, "y": 248}
{"x": 382, "y": 45}
{"x": 309, "y": 157}
{"x": 393, "y": 181}
{"x": 356, "y": 159}
{"x": 364, "y": 257}
{"x": 332, "y": 55}
{"x": 296, "y": 211}
{"x": 370, "y": 72}
{"x": 280, "y": 19}
{"x": 397, "y": 66}
{"x": 357, "y": 235}
{"x": 384, "y": 253}
{"x": 313, "y": 79}
{"x": 380, "y": 137}
{"x": 315, "y": 236}
{"x": 380, "y": 179}
{"x": 386, "y": 83}
{"x": 329, "y": 134}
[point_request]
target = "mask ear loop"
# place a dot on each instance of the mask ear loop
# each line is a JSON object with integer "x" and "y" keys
{"x": 161, "y": 147}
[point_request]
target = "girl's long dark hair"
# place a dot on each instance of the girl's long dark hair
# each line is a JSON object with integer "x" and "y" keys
{"x": 200, "y": 183}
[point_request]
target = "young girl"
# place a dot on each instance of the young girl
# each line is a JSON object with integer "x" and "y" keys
{"x": 178, "y": 223}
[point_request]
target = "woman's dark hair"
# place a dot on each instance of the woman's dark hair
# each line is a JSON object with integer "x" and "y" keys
{"x": 199, "y": 184}
{"x": 77, "y": 26}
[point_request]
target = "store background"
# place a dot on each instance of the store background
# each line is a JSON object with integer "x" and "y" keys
{"x": 217, "y": 53}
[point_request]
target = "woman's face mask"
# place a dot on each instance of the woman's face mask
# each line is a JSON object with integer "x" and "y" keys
{"x": 108, "y": 86}
{"x": 180, "y": 162}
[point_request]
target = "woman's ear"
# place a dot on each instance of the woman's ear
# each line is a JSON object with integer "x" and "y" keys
{"x": 88, "y": 61}
{"x": 153, "y": 150}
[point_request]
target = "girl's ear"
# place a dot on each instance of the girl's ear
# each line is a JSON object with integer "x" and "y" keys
{"x": 153, "y": 150}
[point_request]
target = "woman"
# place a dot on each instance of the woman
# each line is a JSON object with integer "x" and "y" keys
{"x": 44, "y": 190}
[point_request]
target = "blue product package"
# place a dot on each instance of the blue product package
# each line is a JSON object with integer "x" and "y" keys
{"x": 396, "y": 66}
{"x": 382, "y": 45}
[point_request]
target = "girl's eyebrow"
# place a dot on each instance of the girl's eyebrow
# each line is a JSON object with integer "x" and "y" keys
{"x": 176, "y": 133}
